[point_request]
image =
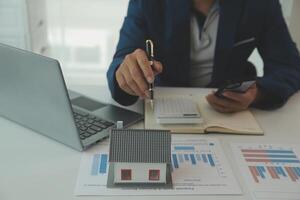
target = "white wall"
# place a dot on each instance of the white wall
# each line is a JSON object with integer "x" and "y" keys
{"x": 295, "y": 22}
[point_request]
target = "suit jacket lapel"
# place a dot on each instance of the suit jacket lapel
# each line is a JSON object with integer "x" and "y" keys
{"x": 177, "y": 39}
{"x": 230, "y": 13}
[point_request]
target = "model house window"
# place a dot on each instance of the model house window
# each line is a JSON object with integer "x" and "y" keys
{"x": 126, "y": 174}
{"x": 154, "y": 174}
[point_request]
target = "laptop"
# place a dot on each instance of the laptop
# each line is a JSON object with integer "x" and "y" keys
{"x": 34, "y": 94}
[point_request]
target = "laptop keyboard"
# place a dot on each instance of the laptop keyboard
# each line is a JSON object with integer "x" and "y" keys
{"x": 88, "y": 124}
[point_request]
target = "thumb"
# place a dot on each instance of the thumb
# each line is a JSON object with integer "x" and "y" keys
{"x": 157, "y": 67}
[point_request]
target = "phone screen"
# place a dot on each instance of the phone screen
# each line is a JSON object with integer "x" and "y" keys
{"x": 235, "y": 87}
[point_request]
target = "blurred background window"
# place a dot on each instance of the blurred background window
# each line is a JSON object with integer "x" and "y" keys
{"x": 82, "y": 34}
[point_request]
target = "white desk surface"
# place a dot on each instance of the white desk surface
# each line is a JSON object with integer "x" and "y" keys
{"x": 35, "y": 168}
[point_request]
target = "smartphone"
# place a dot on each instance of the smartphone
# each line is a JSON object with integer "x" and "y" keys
{"x": 240, "y": 87}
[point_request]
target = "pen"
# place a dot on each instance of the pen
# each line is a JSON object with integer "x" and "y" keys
{"x": 150, "y": 54}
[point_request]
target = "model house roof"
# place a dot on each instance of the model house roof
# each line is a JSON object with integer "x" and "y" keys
{"x": 144, "y": 146}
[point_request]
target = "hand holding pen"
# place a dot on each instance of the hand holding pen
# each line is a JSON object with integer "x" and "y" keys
{"x": 135, "y": 73}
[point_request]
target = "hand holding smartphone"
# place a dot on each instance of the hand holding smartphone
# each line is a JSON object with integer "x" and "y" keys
{"x": 239, "y": 87}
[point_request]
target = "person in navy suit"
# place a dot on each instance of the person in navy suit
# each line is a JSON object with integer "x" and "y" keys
{"x": 206, "y": 43}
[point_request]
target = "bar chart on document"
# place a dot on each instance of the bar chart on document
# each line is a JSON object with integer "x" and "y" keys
{"x": 199, "y": 156}
{"x": 271, "y": 171}
{"x": 199, "y": 167}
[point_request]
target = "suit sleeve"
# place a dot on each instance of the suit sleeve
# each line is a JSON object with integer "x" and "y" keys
{"x": 132, "y": 36}
{"x": 281, "y": 60}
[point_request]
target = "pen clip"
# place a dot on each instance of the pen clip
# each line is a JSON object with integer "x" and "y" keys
{"x": 150, "y": 49}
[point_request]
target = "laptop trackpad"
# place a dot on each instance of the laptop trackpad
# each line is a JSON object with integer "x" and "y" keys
{"x": 87, "y": 103}
{"x": 114, "y": 113}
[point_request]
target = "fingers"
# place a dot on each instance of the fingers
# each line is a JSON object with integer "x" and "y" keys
{"x": 157, "y": 67}
{"x": 131, "y": 82}
{"x": 219, "y": 108}
{"x": 241, "y": 97}
{"x": 223, "y": 105}
{"x": 233, "y": 101}
{"x": 144, "y": 65}
{"x": 123, "y": 84}
{"x": 135, "y": 73}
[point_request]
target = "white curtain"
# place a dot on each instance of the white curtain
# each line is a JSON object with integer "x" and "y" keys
{"x": 83, "y": 35}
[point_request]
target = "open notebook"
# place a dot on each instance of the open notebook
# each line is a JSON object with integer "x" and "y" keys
{"x": 213, "y": 121}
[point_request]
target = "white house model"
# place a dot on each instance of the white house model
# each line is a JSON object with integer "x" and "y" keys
{"x": 140, "y": 157}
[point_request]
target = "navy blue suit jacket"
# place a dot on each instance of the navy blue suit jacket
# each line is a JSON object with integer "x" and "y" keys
{"x": 167, "y": 23}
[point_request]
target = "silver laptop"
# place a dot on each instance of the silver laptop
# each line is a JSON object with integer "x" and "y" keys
{"x": 33, "y": 93}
